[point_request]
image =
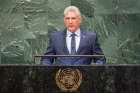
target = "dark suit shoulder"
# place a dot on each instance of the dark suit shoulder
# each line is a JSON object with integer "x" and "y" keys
{"x": 57, "y": 33}
{"x": 90, "y": 33}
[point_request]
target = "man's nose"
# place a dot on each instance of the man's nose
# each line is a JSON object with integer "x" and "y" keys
{"x": 70, "y": 20}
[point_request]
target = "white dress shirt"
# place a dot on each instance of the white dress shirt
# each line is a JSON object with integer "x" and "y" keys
{"x": 68, "y": 39}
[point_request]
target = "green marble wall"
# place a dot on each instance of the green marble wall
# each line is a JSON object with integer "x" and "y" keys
{"x": 25, "y": 26}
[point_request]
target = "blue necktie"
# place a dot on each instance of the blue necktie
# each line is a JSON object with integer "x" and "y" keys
{"x": 73, "y": 44}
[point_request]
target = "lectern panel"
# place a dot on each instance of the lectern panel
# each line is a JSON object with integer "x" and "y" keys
{"x": 70, "y": 79}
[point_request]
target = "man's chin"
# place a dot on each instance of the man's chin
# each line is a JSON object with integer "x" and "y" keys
{"x": 71, "y": 30}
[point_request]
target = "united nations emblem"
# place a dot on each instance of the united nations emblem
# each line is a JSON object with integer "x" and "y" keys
{"x": 68, "y": 79}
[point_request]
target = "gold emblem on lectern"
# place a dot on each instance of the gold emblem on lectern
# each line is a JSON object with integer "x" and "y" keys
{"x": 68, "y": 79}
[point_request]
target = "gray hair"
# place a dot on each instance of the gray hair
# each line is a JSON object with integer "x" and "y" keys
{"x": 72, "y": 8}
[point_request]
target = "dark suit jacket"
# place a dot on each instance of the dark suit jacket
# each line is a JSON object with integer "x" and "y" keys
{"x": 88, "y": 46}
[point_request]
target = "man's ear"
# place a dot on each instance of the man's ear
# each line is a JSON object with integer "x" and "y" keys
{"x": 81, "y": 19}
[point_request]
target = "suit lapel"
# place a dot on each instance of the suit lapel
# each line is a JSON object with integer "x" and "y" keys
{"x": 65, "y": 49}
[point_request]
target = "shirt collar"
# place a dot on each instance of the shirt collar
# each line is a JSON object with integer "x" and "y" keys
{"x": 77, "y": 32}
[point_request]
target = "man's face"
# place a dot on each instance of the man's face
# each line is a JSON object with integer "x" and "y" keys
{"x": 72, "y": 21}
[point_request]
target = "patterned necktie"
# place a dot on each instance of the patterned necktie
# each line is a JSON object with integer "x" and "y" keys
{"x": 73, "y": 44}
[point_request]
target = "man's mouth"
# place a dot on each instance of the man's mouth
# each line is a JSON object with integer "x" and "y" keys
{"x": 70, "y": 25}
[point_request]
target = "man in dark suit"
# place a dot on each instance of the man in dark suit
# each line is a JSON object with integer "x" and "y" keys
{"x": 73, "y": 41}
